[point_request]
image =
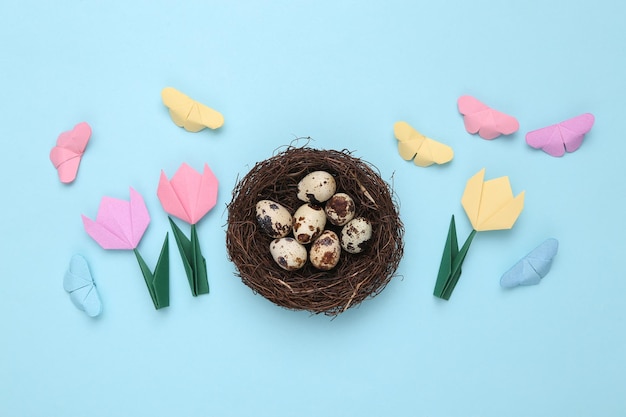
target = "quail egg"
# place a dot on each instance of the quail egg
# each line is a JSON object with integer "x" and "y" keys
{"x": 273, "y": 218}
{"x": 288, "y": 253}
{"x": 316, "y": 187}
{"x": 308, "y": 223}
{"x": 356, "y": 234}
{"x": 340, "y": 209}
{"x": 325, "y": 251}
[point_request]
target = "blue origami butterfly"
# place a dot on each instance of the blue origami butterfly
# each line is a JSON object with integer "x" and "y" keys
{"x": 533, "y": 267}
{"x": 79, "y": 283}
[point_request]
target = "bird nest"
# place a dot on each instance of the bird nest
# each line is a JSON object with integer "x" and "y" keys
{"x": 356, "y": 276}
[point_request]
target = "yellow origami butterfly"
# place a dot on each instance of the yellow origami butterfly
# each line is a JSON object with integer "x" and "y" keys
{"x": 426, "y": 151}
{"x": 188, "y": 113}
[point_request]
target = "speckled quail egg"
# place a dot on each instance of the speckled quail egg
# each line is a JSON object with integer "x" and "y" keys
{"x": 316, "y": 187}
{"x": 356, "y": 234}
{"x": 273, "y": 218}
{"x": 340, "y": 209}
{"x": 308, "y": 223}
{"x": 325, "y": 251}
{"x": 288, "y": 253}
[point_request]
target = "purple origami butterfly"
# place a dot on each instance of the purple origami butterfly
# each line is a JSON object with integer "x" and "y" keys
{"x": 561, "y": 137}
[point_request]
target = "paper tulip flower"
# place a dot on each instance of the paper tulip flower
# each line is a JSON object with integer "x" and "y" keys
{"x": 489, "y": 205}
{"x": 121, "y": 224}
{"x": 189, "y": 195}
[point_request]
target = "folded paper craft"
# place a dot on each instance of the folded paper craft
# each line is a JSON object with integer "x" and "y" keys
{"x": 533, "y": 267}
{"x": 567, "y": 136}
{"x": 121, "y": 224}
{"x": 451, "y": 261}
{"x": 423, "y": 150}
{"x": 189, "y": 196}
{"x": 188, "y": 113}
{"x": 79, "y": 283}
{"x": 158, "y": 282}
{"x": 69, "y": 150}
{"x": 482, "y": 119}
{"x": 194, "y": 262}
{"x": 489, "y": 205}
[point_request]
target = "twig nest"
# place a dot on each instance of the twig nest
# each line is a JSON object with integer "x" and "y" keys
{"x": 351, "y": 278}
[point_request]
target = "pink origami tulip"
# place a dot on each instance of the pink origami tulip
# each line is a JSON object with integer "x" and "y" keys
{"x": 119, "y": 224}
{"x": 189, "y": 195}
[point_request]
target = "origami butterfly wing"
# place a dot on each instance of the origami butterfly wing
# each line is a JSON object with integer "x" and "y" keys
{"x": 533, "y": 267}
{"x": 423, "y": 150}
{"x": 79, "y": 283}
{"x": 188, "y": 113}
{"x": 482, "y": 119}
{"x": 567, "y": 136}
{"x": 68, "y": 152}
{"x": 548, "y": 139}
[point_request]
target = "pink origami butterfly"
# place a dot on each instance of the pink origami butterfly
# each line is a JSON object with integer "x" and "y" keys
{"x": 482, "y": 119}
{"x": 561, "y": 137}
{"x": 67, "y": 153}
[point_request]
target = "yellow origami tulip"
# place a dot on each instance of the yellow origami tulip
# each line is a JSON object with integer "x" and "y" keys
{"x": 490, "y": 205}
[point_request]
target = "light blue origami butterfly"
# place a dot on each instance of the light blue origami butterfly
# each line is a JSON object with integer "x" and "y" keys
{"x": 79, "y": 283}
{"x": 533, "y": 267}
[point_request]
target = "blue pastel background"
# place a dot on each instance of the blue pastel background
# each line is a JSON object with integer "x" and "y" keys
{"x": 341, "y": 72}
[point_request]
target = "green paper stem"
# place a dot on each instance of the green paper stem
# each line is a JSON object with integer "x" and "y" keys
{"x": 451, "y": 262}
{"x": 450, "y": 250}
{"x": 456, "y": 267}
{"x": 193, "y": 261}
{"x": 201, "y": 281}
{"x": 184, "y": 247}
{"x": 158, "y": 282}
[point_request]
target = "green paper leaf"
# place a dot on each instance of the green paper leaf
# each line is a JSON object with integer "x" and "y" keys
{"x": 158, "y": 283}
{"x": 456, "y": 267}
{"x": 201, "y": 281}
{"x": 451, "y": 262}
{"x": 147, "y": 276}
{"x": 450, "y": 251}
{"x": 162, "y": 275}
{"x": 193, "y": 261}
{"x": 184, "y": 247}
